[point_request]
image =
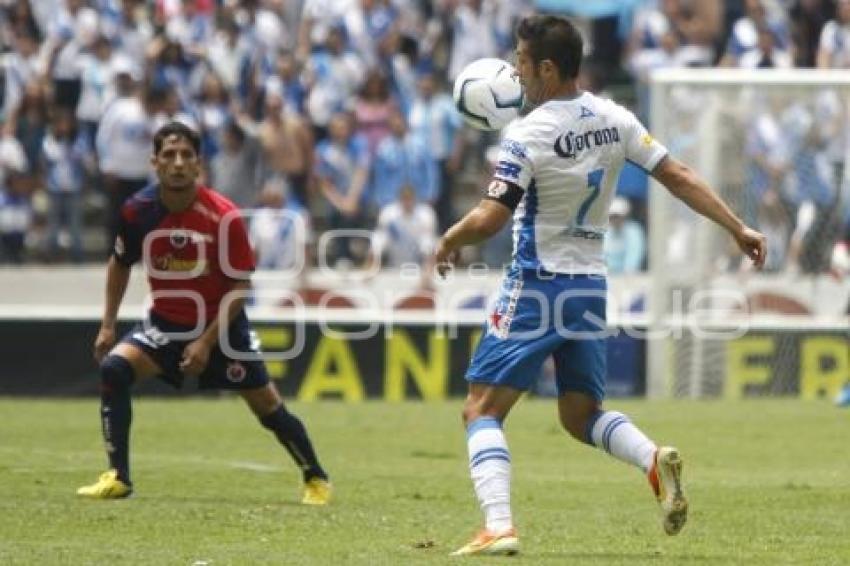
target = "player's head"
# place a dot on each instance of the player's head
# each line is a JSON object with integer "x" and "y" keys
{"x": 273, "y": 194}
{"x": 63, "y": 124}
{"x": 766, "y": 42}
{"x": 407, "y": 198}
{"x": 842, "y": 11}
{"x": 755, "y": 10}
{"x": 176, "y": 156}
{"x": 549, "y": 51}
{"x": 397, "y": 123}
{"x": 233, "y": 136}
{"x": 275, "y": 104}
{"x": 426, "y": 83}
{"x": 339, "y": 128}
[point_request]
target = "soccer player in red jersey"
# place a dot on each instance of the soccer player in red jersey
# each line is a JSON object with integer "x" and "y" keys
{"x": 195, "y": 247}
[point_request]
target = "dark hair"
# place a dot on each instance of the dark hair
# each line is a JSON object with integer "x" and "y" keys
{"x": 375, "y": 75}
{"x": 553, "y": 38}
{"x": 175, "y": 128}
{"x": 233, "y": 128}
{"x": 60, "y": 113}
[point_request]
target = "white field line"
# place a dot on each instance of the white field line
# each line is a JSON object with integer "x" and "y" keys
{"x": 136, "y": 457}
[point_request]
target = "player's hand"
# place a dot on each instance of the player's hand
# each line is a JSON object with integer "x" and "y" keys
{"x": 104, "y": 342}
{"x": 195, "y": 358}
{"x": 444, "y": 258}
{"x": 754, "y": 245}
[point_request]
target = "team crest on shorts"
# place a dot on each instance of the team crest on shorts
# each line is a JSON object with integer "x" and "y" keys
{"x": 496, "y": 322}
{"x": 236, "y": 372}
{"x": 502, "y": 315}
{"x": 179, "y": 238}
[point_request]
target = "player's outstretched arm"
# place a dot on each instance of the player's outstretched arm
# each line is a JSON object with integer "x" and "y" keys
{"x": 686, "y": 185}
{"x": 479, "y": 224}
{"x": 117, "y": 277}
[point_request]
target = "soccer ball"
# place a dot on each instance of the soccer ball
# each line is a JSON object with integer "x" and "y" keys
{"x": 487, "y": 94}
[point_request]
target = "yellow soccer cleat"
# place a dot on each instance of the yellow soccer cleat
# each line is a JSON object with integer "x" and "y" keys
{"x": 486, "y": 543}
{"x": 108, "y": 486}
{"x": 317, "y": 491}
{"x": 666, "y": 480}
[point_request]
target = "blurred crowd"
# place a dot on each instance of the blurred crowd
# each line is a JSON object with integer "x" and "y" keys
{"x": 320, "y": 115}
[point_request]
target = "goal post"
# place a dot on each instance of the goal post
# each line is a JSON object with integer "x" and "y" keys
{"x": 773, "y": 144}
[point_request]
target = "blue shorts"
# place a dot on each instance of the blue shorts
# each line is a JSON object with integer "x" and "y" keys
{"x": 222, "y": 372}
{"x": 537, "y": 314}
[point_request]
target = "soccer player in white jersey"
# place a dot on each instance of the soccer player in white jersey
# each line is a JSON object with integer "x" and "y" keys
{"x": 556, "y": 175}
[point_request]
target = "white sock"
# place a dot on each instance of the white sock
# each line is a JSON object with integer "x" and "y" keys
{"x": 490, "y": 468}
{"x": 613, "y": 432}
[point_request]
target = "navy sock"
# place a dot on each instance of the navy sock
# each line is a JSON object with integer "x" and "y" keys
{"x": 116, "y": 413}
{"x": 291, "y": 433}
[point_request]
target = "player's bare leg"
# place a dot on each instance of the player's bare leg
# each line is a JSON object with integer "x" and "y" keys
{"x": 490, "y": 467}
{"x": 124, "y": 365}
{"x": 583, "y": 417}
{"x": 575, "y": 411}
{"x": 265, "y": 402}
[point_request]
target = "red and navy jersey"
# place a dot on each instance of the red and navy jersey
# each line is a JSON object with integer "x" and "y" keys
{"x": 192, "y": 257}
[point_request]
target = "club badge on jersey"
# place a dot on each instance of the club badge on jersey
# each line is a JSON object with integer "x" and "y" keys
{"x": 179, "y": 238}
{"x": 497, "y": 189}
{"x": 236, "y": 372}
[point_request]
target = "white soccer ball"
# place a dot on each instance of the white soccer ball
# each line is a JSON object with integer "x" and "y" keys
{"x": 487, "y": 94}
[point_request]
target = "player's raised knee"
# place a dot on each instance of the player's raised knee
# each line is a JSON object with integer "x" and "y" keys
{"x": 575, "y": 420}
{"x": 116, "y": 371}
{"x": 575, "y": 425}
{"x": 470, "y": 412}
{"x": 476, "y": 407}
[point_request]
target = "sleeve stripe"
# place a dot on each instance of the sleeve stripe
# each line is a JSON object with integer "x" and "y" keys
{"x": 638, "y": 165}
{"x": 652, "y": 163}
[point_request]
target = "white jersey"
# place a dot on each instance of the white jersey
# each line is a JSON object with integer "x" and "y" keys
{"x": 567, "y": 155}
{"x": 124, "y": 139}
{"x": 835, "y": 42}
{"x": 406, "y": 238}
{"x": 279, "y": 237}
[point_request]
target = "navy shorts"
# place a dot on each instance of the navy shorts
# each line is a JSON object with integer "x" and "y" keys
{"x": 537, "y": 315}
{"x": 245, "y": 370}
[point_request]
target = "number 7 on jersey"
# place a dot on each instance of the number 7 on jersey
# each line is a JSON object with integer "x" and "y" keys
{"x": 594, "y": 183}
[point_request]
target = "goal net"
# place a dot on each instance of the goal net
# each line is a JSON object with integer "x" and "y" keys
{"x": 774, "y": 145}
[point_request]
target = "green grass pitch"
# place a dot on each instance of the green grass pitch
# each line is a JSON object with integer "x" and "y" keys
{"x": 769, "y": 483}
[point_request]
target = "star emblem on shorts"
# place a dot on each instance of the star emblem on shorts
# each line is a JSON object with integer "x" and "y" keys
{"x": 495, "y": 319}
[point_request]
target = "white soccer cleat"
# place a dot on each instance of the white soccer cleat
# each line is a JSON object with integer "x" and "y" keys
{"x": 666, "y": 480}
